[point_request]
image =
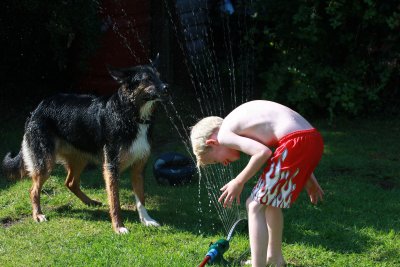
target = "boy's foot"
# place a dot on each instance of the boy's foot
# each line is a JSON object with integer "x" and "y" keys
{"x": 276, "y": 263}
{"x": 246, "y": 263}
{"x": 270, "y": 263}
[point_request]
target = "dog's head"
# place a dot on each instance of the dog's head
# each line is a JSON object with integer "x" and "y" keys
{"x": 140, "y": 84}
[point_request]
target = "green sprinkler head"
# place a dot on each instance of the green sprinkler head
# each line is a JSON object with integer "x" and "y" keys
{"x": 216, "y": 251}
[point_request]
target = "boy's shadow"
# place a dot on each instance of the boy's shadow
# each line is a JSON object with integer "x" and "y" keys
{"x": 339, "y": 232}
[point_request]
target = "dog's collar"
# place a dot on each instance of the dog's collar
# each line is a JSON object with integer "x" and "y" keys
{"x": 142, "y": 121}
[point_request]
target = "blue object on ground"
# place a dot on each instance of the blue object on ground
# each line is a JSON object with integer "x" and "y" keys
{"x": 173, "y": 168}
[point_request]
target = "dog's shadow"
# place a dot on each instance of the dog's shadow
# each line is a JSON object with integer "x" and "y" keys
{"x": 92, "y": 214}
{"x": 100, "y": 213}
{"x": 179, "y": 219}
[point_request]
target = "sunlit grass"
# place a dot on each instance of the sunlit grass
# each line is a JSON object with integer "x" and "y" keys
{"x": 358, "y": 224}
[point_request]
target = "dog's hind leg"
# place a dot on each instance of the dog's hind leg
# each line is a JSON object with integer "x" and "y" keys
{"x": 38, "y": 155}
{"x": 38, "y": 181}
{"x": 74, "y": 169}
{"x": 138, "y": 189}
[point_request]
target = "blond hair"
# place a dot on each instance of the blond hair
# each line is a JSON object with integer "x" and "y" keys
{"x": 200, "y": 132}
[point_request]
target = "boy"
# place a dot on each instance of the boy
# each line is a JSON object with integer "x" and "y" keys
{"x": 255, "y": 128}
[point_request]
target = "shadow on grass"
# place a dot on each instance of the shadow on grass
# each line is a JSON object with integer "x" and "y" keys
{"x": 182, "y": 221}
{"x": 89, "y": 214}
{"x": 351, "y": 219}
{"x": 360, "y": 177}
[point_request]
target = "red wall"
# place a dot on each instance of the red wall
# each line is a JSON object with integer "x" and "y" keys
{"x": 128, "y": 44}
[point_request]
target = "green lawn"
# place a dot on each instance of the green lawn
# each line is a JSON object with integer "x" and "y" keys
{"x": 358, "y": 224}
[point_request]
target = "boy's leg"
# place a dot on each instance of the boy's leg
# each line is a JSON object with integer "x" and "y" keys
{"x": 258, "y": 232}
{"x": 274, "y": 219}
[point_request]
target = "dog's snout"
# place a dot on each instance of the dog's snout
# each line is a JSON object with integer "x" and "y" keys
{"x": 164, "y": 89}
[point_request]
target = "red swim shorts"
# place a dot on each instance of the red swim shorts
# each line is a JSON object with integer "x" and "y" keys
{"x": 288, "y": 169}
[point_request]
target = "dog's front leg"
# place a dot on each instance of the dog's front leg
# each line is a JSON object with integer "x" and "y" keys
{"x": 111, "y": 175}
{"x": 138, "y": 189}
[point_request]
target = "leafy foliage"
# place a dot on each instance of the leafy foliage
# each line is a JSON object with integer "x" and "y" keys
{"x": 330, "y": 57}
{"x": 44, "y": 40}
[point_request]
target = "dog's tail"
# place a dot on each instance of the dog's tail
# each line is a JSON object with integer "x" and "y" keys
{"x": 13, "y": 166}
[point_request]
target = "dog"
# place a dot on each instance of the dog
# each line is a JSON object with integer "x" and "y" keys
{"x": 75, "y": 130}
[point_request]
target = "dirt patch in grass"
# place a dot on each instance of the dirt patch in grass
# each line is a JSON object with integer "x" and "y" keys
{"x": 339, "y": 171}
{"x": 8, "y": 222}
{"x": 387, "y": 183}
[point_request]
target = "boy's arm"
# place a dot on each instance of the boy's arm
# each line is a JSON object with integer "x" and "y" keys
{"x": 314, "y": 190}
{"x": 259, "y": 155}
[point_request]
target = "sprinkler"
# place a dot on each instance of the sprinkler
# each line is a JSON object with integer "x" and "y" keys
{"x": 216, "y": 250}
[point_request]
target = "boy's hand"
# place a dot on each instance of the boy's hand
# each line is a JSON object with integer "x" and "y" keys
{"x": 231, "y": 190}
{"x": 314, "y": 191}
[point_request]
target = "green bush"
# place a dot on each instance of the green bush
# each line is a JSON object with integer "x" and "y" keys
{"x": 330, "y": 57}
{"x": 44, "y": 40}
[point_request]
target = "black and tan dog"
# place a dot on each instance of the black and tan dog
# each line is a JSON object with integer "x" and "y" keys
{"x": 77, "y": 129}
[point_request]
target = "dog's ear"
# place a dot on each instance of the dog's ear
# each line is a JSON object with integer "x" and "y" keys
{"x": 120, "y": 75}
{"x": 155, "y": 62}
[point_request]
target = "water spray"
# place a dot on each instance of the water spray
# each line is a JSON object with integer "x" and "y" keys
{"x": 215, "y": 254}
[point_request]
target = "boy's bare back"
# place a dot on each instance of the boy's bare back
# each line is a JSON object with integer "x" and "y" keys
{"x": 263, "y": 121}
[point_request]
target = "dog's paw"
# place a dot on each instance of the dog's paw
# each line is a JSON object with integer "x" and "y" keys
{"x": 40, "y": 218}
{"x": 94, "y": 203}
{"x": 150, "y": 222}
{"x": 122, "y": 230}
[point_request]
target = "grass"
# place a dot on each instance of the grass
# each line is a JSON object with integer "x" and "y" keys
{"x": 358, "y": 224}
